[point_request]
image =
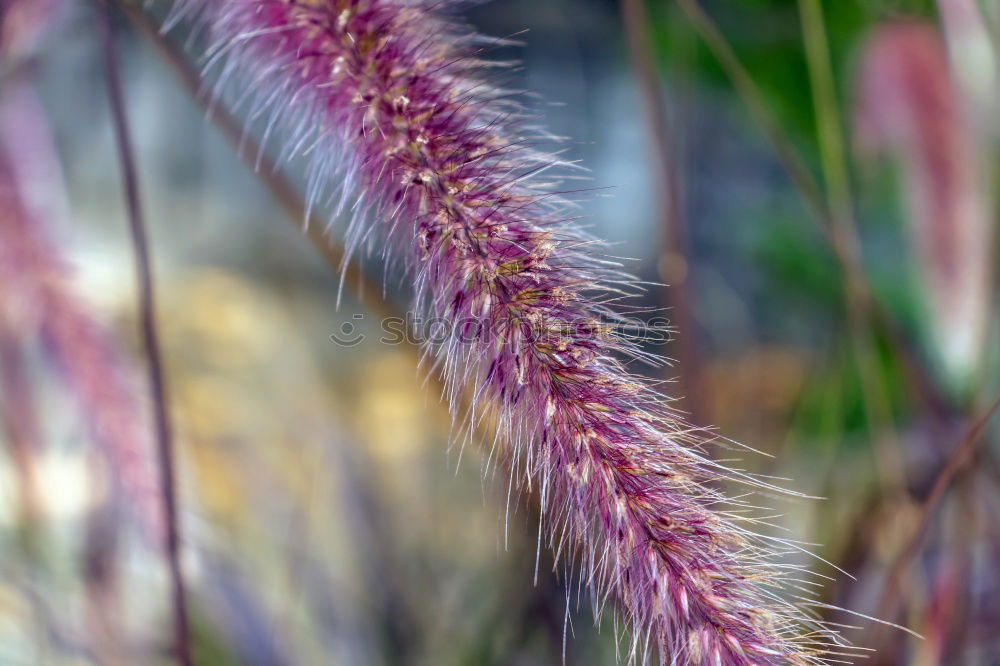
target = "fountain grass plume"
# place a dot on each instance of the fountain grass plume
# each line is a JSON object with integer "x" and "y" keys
{"x": 37, "y": 302}
{"x": 388, "y": 104}
{"x": 910, "y": 104}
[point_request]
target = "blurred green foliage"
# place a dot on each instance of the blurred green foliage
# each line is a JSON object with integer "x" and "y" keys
{"x": 766, "y": 35}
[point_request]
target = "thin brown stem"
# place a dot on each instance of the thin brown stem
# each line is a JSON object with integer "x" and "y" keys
{"x": 801, "y": 175}
{"x": 18, "y": 414}
{"x": 675, "y": 261}
{"x": 263, "y": 166}
{"x": 962, "y": 454}
{"x": 150, "y": 338}
{"x": 847, "y": 245}
{"x": 843, "y": 247}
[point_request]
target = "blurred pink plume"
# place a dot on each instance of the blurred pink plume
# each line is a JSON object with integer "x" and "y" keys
{"x": 909, "y": 105}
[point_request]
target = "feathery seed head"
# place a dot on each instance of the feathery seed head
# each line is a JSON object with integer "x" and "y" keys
{"x": 385, "y": 100}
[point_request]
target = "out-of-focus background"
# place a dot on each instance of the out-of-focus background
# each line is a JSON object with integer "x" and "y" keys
{"x": 814, "y": 180}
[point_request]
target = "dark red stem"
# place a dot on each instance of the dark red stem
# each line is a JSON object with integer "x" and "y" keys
{"x": 150, "y": 338}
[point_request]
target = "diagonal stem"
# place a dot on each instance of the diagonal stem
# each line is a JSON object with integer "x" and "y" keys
{"x": 803, "y": 178}
{"x": 961, "y": 456}
{"x": 672, "y": 220}
{"x": 18, "y": 414}
{"x": 814, "y": 198}
{"x": 257, "y": 160}
{"x": 150, "y": 338}
{"x": 844, "y": 235}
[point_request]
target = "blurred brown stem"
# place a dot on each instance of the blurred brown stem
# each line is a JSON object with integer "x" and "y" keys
{"x": 150, "y": 337}
{"x": 962, "y": 454}
{"x": 19, "y": 416}
{"x": 264, "y": 168}
{"x": 676, "y": 255}
{"x": 748, "y": 91}
{"x": 102, "y": 579}
{"x": 813, "y": 197}
{"x": 847, "y": 246}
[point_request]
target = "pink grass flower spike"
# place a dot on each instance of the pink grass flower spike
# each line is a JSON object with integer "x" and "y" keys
{"x": 37, "y": 302}
{"x": 908, "y": 105}
{"x": 385, "y": 100}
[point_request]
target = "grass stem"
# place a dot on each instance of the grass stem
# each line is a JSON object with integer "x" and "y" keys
{"x": 150, "y": 339}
